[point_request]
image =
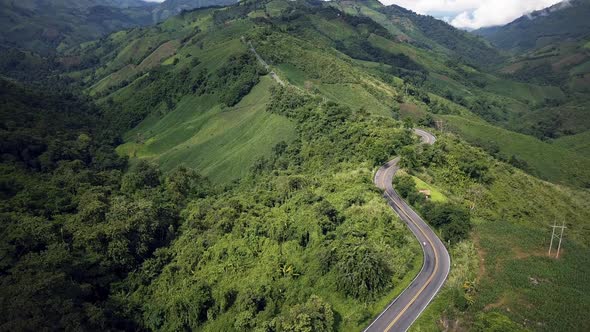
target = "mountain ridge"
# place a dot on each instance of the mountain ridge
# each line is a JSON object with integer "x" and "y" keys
{"x": 48, "y": 26}
{"x": 564, "y": 20}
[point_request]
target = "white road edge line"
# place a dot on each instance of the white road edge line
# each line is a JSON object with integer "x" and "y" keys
{"x": 423, "y": 252}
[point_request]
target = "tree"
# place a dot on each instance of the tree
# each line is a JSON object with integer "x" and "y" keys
{"x": 182, "y": 309}
{"x": 404, "y": 185}
{"x": 409, "y": 157}
{"x": 184, "y": 183}
{"x": 361, "y": 271}
{"x": 453, "y": 220}
{"x": 314, "y": 315}
{"x": 329, "y": 218}
{"x": 143, "y": 175}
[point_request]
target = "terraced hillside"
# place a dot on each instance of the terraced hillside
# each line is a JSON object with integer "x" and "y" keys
{"x": 365, "y": 50}
{"x": 241, "y": 194}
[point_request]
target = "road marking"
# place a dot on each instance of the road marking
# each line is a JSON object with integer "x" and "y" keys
{"x": 436, "y": 260}
{"x": 427, "y": 281}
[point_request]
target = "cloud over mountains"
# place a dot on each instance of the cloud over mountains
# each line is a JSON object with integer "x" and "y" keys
{"x": 474, "y": 14}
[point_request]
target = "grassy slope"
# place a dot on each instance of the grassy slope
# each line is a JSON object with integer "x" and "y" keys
{"x": 551, "y": 162}
{"x": 220, "y": 143}
{"x": 510, "y": 267}
{"x": 521, "y": 101}
{"x": 436, "y": 195}
{"x": 580, "y": 143}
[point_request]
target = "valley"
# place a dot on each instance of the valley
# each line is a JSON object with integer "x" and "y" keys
{"x": 210, "y": 166}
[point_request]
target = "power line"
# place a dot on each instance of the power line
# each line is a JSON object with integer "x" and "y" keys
{"x": 554, "y": 236}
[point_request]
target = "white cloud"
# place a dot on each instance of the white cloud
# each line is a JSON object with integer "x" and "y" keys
{"x": 438, "y": 6}
{"x": 474, "y": 14}
{"x": 471, "y": 14}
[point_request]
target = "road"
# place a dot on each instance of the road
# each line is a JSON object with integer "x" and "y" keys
{"x": 405, "y": 309}
{"x": 264, "y": 64}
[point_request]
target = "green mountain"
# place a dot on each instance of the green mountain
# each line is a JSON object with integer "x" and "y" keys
{"x": 214, "y": 172}
{"x": 191, "y": 91}
{"x": 425, "y": 32}
{"x": 44, "y": 26}
{"x": 551, "y": 48}
{"x": 174, "y": 7}
{"x": 565, "y": 20}
{"x": 372, "y": 43}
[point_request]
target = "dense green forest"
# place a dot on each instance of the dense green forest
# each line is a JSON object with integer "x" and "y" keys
{"x": 74, "y": 220}
{"x": 161, "y": 178}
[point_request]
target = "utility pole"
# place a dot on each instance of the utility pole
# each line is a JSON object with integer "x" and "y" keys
{"x": 554, "y": 235}
{"x": 440, "y": 125}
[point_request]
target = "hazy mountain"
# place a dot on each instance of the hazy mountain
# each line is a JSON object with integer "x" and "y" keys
{"x": 433, "y": 32}
{"x": 551, "y": 47}
{"x": 565, "y": 20}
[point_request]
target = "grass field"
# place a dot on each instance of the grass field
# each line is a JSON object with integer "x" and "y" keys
{"x": 522, "y": 282}
{"x": 548, "y": 161}
{"x": 579, "y": 143}
{"x": 507, "y": 259}
{"x": 436, "y": 195}
{"x": 525, "y": 92}
{"x": 220, "y": 143}
{"x": 355, "y": 97}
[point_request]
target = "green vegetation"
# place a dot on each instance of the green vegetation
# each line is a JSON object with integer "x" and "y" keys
{"x": 73, "y": 223}
{"x": 223, "y": 143}
{"x": 544, "y": 27}
{"x": 580, "y": 143}
{"x": 549, "y": 50}
{"x": 504, "y": 278}
{"x": 50, "y": 26}
{"x": 232, "y": 174}
{"x": 435, "y": 194}
{"x": 300, "y": 233}
{"x": 548, "y": 161}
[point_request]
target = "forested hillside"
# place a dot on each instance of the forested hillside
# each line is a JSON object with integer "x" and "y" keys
{"x": 46, "y": 25}
{"x": 425, "y": 32}
{"x": 550, "y": 48}
{"x": 214, "y": 172}
{"x": 72, "y": 222}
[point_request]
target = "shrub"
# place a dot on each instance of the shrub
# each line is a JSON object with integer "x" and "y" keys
{"x": 361, "y": 271}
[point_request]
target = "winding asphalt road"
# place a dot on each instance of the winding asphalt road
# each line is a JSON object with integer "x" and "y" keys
{"x": 405, "y": 309}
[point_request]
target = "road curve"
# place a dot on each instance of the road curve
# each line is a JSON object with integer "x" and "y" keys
{"x": 405, "y": 309}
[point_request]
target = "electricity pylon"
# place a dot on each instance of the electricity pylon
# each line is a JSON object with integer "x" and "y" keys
{"x": 554, "y": 236}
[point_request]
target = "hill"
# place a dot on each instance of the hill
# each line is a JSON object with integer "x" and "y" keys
{"x": 549, "y": 48}
{"x": 247, "y": 203}
{"x": 563, "y": 21}
{"x": 174, "y": 7}
{"x": 44, "y": 26}
{"x": 427, "y": 32}
{"x": 369, "y": 43}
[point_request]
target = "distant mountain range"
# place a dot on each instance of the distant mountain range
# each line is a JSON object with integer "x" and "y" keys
{"x": 44, "y": 26}
{"x": 565, "y": 20}
{"x": 551, "y": 47}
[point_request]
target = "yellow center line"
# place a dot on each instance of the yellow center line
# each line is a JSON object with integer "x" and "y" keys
{"x": 435, "y": 259}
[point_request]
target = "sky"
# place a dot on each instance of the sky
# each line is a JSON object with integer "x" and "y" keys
{"x": 474, "y": 14}
{"x": 471, "y": 14}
